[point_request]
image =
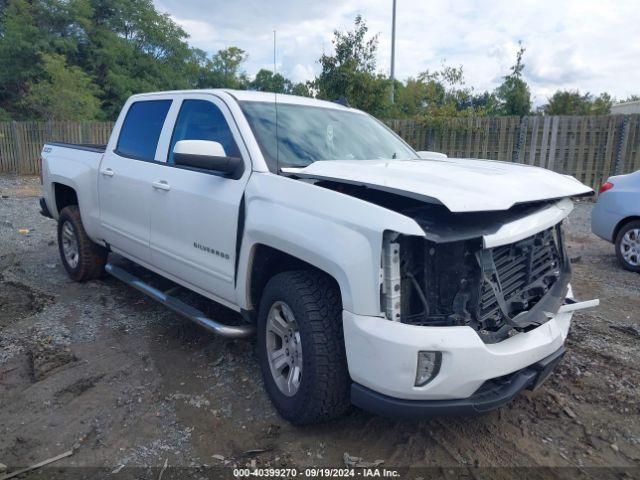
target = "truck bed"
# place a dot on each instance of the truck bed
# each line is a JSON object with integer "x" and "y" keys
{"x": 75, "y": 166}
{"x": 90, "y": 147}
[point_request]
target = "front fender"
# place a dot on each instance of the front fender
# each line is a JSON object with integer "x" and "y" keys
{"x": 339, "y": 234}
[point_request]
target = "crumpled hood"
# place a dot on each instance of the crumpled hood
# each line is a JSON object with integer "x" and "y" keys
{"x": 462, "y": 185}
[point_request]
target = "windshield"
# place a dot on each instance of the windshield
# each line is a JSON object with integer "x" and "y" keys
{"x": 304, "y": 134}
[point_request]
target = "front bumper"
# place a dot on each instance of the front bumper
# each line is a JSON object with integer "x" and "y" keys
{"x": 382, "y": 355}
{"x": 491, "y": 395}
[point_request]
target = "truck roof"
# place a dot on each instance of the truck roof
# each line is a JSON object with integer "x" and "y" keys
{"x": 254, "y": 96}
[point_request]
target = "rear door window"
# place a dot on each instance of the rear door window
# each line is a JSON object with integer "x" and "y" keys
{"x": 202, "y": 120}
{"x": 141, "y": 129}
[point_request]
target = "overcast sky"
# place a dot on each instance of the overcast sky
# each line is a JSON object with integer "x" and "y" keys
{"x": 593, "y": 46}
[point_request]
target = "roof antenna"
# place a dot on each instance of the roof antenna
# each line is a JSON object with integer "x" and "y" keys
{"x": 275, "y": 101}
{"x": 274, "y": 52}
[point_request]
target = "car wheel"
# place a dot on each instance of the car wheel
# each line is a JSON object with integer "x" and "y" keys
{"x": 82, "y": 258}
{"x": 628, "y": 246}
{"x": 301, "y": 347}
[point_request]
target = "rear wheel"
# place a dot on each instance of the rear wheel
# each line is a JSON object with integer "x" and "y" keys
{"x": 301, "y": 347}
{"x": 628, "y": 246}
{"x": 82, "y": 258}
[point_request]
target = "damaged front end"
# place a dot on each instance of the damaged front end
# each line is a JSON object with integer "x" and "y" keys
{"x": 499, "y": 272}
{"x": 496, "y": 291}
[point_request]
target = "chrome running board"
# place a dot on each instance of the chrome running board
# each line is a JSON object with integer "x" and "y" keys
{"x": 178, "y": 306}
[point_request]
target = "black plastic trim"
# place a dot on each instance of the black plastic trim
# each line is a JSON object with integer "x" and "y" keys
{"x": 250, "y": 316}
{"x": 44, "y": 210}
{"x": 228, "y": 167}
{"x": 239, "y": 236}
{"x": 89, "y": 147}
{"x": 134, "y": 157}
{"x": 184, "y": 167}
{"x": 491, "y": 395}
{"x": 546, "y": 366}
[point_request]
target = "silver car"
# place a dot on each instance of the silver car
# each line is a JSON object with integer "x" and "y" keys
{"x": 616, "y": 217}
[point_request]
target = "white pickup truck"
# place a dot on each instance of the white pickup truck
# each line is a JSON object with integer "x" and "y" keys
{"x": 403, "y": 282}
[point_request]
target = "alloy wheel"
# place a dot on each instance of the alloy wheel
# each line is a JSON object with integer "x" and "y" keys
{"x": 284, "y": 349}
{"x": 70, "y": 245}
{"x": 630, "y": 247}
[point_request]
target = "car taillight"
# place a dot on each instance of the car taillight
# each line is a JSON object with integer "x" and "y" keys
{"x": 606, "y": 186}
{"x": 41, "y": 181}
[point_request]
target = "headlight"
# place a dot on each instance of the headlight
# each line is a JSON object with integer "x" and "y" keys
{"x": 428, "y": 367}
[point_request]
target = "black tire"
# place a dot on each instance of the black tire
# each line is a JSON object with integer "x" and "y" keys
{"x": 91, "y": 256}
{"x": 635, "y": 224}
{"x": 323, "y": 392}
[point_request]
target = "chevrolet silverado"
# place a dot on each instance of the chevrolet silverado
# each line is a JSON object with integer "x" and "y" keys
{"x": 406, "y": 283}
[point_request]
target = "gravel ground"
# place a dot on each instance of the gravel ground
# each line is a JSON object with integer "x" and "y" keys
{"x": 122, "y": 381}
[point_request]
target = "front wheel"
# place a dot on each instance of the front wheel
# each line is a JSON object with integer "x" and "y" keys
{"x": 628, "y": 246}
{"x": 81, "y": 257}
{"x": 301, "y": 347}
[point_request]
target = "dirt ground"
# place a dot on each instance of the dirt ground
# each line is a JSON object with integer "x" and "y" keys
{"x": 100, "y": 369}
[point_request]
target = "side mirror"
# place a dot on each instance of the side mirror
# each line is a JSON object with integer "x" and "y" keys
{"x": 427, "y": 155}
{"x": 206, "y": 155}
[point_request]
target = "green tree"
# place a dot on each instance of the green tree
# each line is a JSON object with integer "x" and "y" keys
{"x": 351, "y": 71}
{"x": 266, "y": 81}
{"x": 123, "y": 46}
{"x": 302, "y": 89}
{"x": 513, "y": 95}
{"x": 20, "y": 44}
{"x": 602, "y": 104}
{"x": 447, "y": 92}
{"x": 485, "y": 103}
{"x": 133, "y": 48}
{"x": 223, "y": 70}
{"x": 567, "y": 102}
{"x": 410, "y": 97}
{"x": 441, "y": 93}
{"x": 66, "y": 93}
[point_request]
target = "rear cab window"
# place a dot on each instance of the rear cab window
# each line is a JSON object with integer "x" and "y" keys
{"x": 141, "y": 129}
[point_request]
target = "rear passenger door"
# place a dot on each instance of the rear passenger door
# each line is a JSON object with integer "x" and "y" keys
{"x": 194, "y": 220}
{"x": 124, "y": 178}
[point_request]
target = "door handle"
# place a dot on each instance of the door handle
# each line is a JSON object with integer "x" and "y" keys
{"x": 161, "y": 185}
{"x": 107, "y": 172}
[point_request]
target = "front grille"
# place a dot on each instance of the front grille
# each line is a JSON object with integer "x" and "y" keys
{"x": 516, "y": 276}
{"x": 493, "y": 290}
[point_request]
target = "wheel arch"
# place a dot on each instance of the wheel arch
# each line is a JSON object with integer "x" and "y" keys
{"x": 265, "y": 262}
{"x": 620, "y": 225}
{"x": 64, "y": 196}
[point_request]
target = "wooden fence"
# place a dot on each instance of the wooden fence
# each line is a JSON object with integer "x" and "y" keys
{"x": 21, "y": 142}
{"x": 589, "y": 148}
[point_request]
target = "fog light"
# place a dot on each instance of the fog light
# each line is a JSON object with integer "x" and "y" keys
{"x": 428, "y": 367}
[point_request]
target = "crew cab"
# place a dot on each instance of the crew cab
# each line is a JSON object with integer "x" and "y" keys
{"x": 406, "y": 283}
